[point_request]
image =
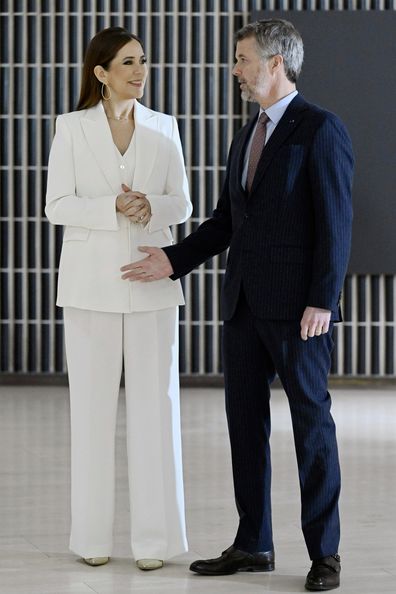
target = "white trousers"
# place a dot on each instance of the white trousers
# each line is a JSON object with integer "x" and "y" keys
{"x": 96, "y": 343}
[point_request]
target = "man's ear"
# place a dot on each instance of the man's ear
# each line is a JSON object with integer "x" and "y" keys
{"x": 100, "y": 73}
{"x": 277, "y": 62}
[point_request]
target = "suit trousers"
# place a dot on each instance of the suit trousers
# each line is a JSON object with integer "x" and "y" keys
{"x": 96, "y": 345}
{"x": 254, "y": 351}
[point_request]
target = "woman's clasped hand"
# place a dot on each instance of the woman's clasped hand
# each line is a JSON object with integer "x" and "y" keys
{"x": 134, "y": 205}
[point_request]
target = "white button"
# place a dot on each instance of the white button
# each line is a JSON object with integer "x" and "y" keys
{"x": 122, "y": 166}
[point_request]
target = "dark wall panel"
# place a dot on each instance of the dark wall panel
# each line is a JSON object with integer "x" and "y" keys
{"x": 344, "y": 73}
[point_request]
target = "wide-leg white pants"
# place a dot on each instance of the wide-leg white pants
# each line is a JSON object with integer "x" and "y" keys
{"x": 96, "y": 343}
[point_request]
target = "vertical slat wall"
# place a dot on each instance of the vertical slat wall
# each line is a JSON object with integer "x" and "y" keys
{"x": 190, "y": 49}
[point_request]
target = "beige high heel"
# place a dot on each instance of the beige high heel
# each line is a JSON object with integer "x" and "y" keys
{"x": 149, "y": 564}
{"x": 95, "y": 561}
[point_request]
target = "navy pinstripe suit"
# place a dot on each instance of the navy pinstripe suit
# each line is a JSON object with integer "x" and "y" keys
{"x": 289, "y": 243}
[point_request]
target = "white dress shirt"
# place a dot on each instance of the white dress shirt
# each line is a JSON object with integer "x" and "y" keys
{"x": 274, "y": 112}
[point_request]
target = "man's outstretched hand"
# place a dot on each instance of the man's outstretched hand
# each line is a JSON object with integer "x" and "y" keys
{"x": 154, "y": 267}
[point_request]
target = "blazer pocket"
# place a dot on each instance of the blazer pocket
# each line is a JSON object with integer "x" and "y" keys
{"x": 290, "y": 253}
{"x": 76, "y": 233}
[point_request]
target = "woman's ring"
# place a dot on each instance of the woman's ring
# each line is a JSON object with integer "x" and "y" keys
{"x": 141, "y": 218}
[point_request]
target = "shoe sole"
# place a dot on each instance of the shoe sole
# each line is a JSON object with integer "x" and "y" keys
{"x": 253, "y": 569}
{"x": 321, "y": 588}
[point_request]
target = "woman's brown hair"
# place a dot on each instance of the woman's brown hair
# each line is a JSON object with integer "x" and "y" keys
{"x": 101, "y": 50}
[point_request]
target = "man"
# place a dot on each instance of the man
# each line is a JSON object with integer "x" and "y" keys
{"x": 285, "y": 213}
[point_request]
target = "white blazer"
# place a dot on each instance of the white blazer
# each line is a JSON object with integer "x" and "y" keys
{"x": 83, "y": 184}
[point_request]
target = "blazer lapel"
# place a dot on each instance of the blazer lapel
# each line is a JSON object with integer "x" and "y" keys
{"x": 147, "y": 139}
{"x": 100, "y": 141}
{"x": 288, "y": 122}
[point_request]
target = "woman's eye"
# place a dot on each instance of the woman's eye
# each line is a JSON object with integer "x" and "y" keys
{"x": 129, "y": 62}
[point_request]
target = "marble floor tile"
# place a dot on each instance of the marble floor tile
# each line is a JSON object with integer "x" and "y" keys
{"x": 34, "y": 499}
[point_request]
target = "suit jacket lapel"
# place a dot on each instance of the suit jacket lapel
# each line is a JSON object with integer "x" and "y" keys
{"x": 146, "y": 130}
{"x": 288, "y": 122}
{"x": 100, "y": 141}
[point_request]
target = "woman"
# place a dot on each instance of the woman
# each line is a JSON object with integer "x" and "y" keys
{"x": 116, "y": 180}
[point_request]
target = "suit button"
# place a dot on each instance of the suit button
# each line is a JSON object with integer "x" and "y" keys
{"x": 245, "y": 216}
{"x": 122, "y": 166}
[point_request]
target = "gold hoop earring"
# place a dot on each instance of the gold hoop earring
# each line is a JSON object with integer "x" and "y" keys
{"x": 102, "y": 93}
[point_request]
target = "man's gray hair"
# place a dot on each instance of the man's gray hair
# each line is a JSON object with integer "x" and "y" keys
{"x": 277, "y": 36}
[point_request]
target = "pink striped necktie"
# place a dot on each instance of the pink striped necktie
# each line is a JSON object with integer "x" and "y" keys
{"x": 256, "y": 149}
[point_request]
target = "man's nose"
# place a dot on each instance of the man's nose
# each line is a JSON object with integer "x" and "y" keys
{"x": 235, "y": 71}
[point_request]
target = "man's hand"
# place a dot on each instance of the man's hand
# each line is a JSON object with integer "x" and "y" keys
{"x": 315, "y": 321}
{"x": 154, "y": 267}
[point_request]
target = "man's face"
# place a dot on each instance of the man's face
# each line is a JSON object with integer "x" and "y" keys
{"x": 252, "y": 70}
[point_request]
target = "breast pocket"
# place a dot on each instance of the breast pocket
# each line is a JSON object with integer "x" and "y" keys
{"x": 76, "y": 234}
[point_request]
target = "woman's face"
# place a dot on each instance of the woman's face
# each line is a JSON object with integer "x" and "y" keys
{"x": 127, "y": 73}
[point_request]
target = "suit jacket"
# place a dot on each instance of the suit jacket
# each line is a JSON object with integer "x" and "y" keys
{"x": 289, "y": 239}
{"x": 83, "y": 183}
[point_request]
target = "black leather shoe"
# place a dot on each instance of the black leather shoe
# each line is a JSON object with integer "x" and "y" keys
{"x": 233, "y": 560}
{"x": 324, "y": 574}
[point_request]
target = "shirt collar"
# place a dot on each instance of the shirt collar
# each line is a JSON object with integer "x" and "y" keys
{"x": 276, "y": 111}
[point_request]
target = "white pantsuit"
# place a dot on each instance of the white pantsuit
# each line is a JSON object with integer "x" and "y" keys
{"x": 150, "y": 346}
{"x": 109, "y": 321}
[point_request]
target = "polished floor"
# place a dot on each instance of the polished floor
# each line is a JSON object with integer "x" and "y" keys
{"x": 34, "y": 499}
